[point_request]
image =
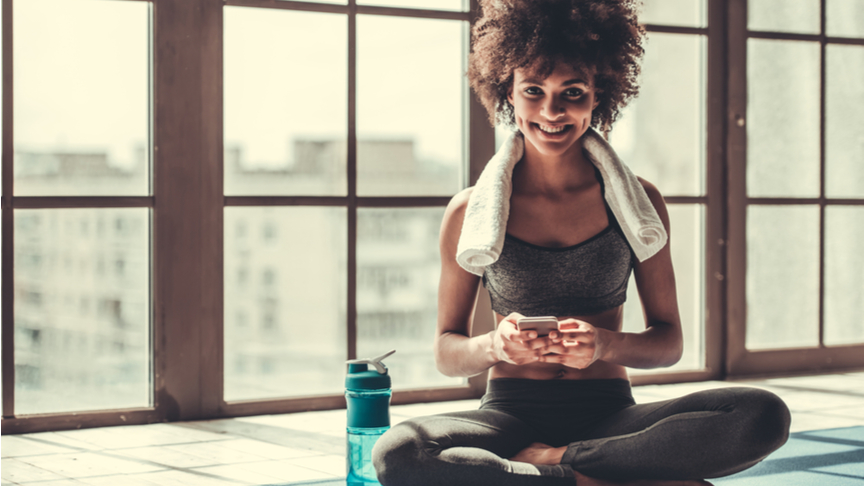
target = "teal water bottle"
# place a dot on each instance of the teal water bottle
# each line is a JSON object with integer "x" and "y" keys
{"x": 367, "y": 393}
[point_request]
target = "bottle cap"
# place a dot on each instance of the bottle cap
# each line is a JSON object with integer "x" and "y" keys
{"x": 360, "y": 377}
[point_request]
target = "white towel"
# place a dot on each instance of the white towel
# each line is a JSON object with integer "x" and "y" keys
{"x": 485, "y": 222}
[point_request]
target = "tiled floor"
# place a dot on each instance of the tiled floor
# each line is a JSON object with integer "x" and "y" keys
{"x": 276, "y": 449}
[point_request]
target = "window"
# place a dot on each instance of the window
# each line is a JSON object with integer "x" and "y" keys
{"x": 663, "y": 137}
{"x": 79, "y": 159}
{"x": 289, "y": 218}
{"x": 276, "y": 182}
{"x": 797, "y": 185}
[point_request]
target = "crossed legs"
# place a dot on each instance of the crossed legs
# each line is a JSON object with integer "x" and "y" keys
{"x": 707, "y": 434}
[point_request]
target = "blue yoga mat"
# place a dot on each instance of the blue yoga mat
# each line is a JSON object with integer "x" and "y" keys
{"x": 831, "y": 457}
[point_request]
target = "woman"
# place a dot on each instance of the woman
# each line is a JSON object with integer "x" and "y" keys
{"x": 558, "y": 409}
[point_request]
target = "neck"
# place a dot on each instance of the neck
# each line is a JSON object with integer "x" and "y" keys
{"x": 553, "y": 174}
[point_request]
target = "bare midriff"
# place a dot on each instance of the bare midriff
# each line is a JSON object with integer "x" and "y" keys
{"x": 611, "y": 320}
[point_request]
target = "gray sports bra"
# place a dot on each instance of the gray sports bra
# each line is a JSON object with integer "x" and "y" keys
{"x": 584, "y": 279}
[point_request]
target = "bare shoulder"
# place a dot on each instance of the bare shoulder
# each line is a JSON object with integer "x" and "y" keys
{"x": 455, "y": 213}
{"x": 652, "y": 191}
{"x": 657, "y": 200}
{"x": 460, "y": 201}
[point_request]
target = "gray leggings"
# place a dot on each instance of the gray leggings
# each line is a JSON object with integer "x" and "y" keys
{"x": 706, "y": 434}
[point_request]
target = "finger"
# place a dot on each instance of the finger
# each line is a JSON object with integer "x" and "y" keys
{"x": 557, "y": 349}
{"x": 539, "y": 343}
{"x": 581, "y": 336}
{"x": 513, "y": 317}
{"x": 569, "y": 322}
{"x": 508, "y": 331}
{"x": 570, "y": 327}
{"x": 528, "y": 335}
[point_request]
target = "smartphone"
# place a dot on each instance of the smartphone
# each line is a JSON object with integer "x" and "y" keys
{"x": 543, "y": 325}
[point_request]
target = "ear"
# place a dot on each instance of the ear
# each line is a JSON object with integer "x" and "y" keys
{"x": 510, "y": 95}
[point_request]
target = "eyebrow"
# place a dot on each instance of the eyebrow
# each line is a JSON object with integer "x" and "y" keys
{"x": 565, "y": 83}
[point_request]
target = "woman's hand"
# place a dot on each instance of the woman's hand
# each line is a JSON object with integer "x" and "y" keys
{"x": 576, "y": 344}
{"x": 517, "y": 347}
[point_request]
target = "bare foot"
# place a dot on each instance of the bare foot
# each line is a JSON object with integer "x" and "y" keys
{"x": 582, "y": 480}
{"x": 538, "y": 453}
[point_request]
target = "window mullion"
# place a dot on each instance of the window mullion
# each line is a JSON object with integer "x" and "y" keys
{"x": 181, "y": 248}
{"x": 351, "y": 314}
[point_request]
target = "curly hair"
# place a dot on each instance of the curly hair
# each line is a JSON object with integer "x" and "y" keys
{"x": 601, "y": 37}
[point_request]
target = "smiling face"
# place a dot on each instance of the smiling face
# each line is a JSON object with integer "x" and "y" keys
{"x": 553, "y": 113}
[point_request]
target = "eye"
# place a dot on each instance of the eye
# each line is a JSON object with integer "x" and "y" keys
{"x": 533, "y": 90}
{"x": 574, "y": 93}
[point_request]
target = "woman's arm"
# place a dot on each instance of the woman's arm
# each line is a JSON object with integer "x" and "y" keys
{"x": 659, "y": 345}
{"x": 456, "y": 353}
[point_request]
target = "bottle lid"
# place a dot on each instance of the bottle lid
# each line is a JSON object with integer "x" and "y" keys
{"x": 360, "y": 377}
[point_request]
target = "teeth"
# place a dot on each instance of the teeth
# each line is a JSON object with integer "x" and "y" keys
{"x": 548, "y": 129}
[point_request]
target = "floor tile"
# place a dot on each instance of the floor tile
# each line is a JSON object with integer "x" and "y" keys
{"x": 166, "y": 457}
{"x": 802, "y": 421}
{"x": 215, "y": 452}
{"x": 16, "y": 471}
{"x": 135, "y": 436}
{"x": 87, "y": 464}
{"x": 248, "y": 473}
{"x": 17, "y": 446}
{"x": 298, "y": 439}
{"x": 117, "y": 480}
{"x": 856, "y": 412}
{"x": 295, "y": 470}
{"x": 70, "y": 441}
{"x": 799, "y": 401}
{"x": 266, "y": 449}
{"x": 57, "y": 482}
{"x": 331, "y": 422}
{"x": 173, "y": 477}
{"x": 330, "y": 464}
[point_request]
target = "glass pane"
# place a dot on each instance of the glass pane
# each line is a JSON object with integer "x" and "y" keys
{"x": 687, "y": 224}
{"x": 285, "y": 301}
{"x": 410, "y": 86}
{"x": 81, "y": 103}
{"x": 800, "y": 16}
{"x": 782, "y": 277}
{"x": 82, "y": 309}
{"x": 845, "y": 18}
{"x": 844, "y": 119}
{"x": 686, "y": 13}
{"x": 286, "y": 109}
{"x": 398, "y": 266}
{"x": 427, "y": 4}
{"x": 844, "y": 275}
{"x": 782, "y": 118}
{"x": 661, "y": 134}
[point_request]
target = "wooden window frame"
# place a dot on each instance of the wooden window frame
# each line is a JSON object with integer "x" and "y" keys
{"x": 188, "y": 202}
{"x": 741, "y": 361}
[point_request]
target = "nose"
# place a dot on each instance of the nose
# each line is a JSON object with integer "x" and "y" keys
{"x": 553, "y": 108}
